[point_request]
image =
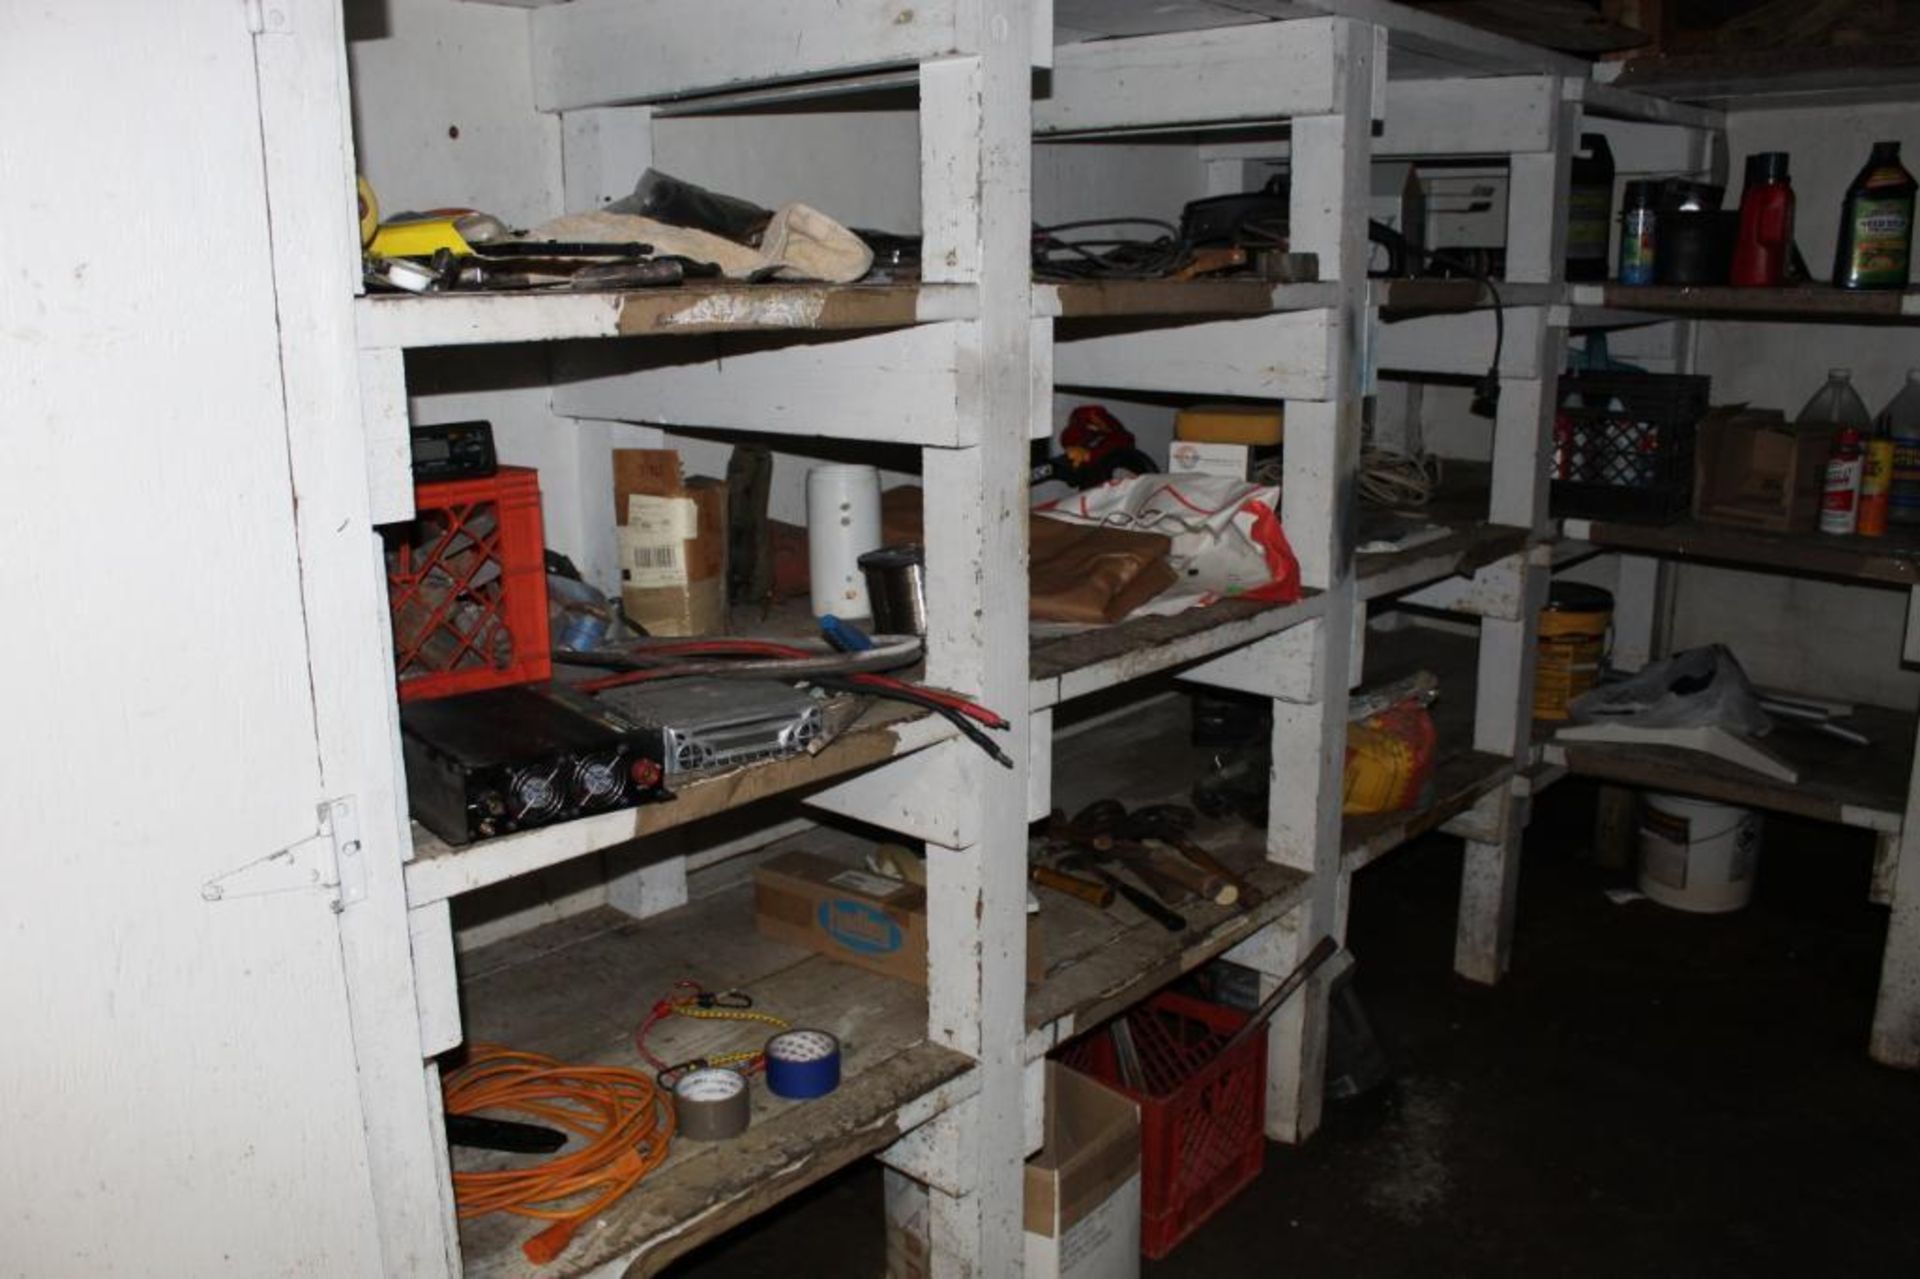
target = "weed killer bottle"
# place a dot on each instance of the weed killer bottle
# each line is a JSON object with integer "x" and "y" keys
{"x": 1876, "y": 224}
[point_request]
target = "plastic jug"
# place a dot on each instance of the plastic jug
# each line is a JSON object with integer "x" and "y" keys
{"x": 1900, "y": 421}
{"x": 1837, "y": 404}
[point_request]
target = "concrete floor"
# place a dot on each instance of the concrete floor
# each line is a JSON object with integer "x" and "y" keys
{"x": 1650, "y": 1093}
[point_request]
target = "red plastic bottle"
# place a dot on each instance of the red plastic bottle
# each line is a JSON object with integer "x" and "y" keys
{"x": 1766, "y": 223}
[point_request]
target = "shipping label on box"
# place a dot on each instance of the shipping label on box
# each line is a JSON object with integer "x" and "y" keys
{"x": 1192, "y": 457}
{"x": 852, "y": 915}
{"x": 673, "y": 544}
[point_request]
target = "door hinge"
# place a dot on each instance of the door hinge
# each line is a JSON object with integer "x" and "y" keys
{"x": 330, "y": 860}
{"x": 268, "y": 17}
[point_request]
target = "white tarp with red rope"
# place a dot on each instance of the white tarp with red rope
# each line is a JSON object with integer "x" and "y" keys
{"x": 1226, "y": 534}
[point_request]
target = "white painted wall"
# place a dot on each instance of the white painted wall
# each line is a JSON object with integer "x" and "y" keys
{"x": 1804, "y": 634}
{"x": 860, "y": 167}
{"x": 177, "y": 1088}
{"x": 426, "y": 70}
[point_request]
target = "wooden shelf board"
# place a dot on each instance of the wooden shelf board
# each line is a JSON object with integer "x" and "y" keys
{"x": 1064, "y": 667}
{"x": 577, "y": 989}
{"x": 1886, "y": 70}
{"x": 1406, "y": 298}
{"x": 1224, "y": 298}
{"x": 1809, "y": 302}
{"x": 1422, "y": 45}
{"x": 1464, "y": 549}
{"x": 1892, "y": 561}
{"x": 883, "y": 731}
{"x": 1102, "y": 961}
{"x": 470, "y": 318}
{"x": 1864, "y": 786}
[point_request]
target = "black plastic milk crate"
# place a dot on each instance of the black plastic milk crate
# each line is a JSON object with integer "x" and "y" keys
{"x": 1623, "y": 443}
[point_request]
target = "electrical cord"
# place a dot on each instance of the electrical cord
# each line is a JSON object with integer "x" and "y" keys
{"x": 625, "y": 1117}
{"x": 959, "y": 716}
{"x": 779, "y": 660}
{"x": 1398, "y": 480}
{"x": 1116, "y": 258}
{"x": 1486, "y": 392}
{"x": 740, "y": 658}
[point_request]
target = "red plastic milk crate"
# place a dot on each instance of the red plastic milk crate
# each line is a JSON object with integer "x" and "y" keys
{"x": 1202, "y": 1115}
{"x": 468, "y": 587}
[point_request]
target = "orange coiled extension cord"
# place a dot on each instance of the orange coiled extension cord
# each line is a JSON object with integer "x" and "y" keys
{"x": 624, "y": 1115}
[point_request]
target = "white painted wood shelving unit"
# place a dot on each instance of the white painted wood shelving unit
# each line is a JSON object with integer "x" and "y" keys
{"x": 1875, "y": 790}
{"x": 959, "y": 367}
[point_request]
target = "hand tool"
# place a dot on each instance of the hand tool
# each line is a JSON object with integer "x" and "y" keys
{"x": 1171, "y": 920}
{"x": 1165, "y": 860}
{"x": 1087, "y": 890}
{"x": 1170, "y": 824}
{"x": 1096, "y": 838}
{"x": 1211, "y": 262}
{"x": 1101, "y": 826}
{"x": 1326, "y": 948}
{"x": 1172, "y": 884}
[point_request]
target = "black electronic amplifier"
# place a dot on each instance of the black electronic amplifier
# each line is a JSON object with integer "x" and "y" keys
{"x": 509, "y": 759}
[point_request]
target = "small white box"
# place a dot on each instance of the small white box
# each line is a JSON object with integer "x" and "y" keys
{"x": 1083, "y": 1188}
{"x": 1082, "y": 1211}
{"x": 1192, "y": 457}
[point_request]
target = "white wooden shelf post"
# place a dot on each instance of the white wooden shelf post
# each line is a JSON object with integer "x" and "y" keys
{"x": 1310, "y": 668}
{"x": 308, "y": 166}
{"x": 1896, "y": 1010}
{"x": 975, "y": 123}
{"x": 1523, "y": 428}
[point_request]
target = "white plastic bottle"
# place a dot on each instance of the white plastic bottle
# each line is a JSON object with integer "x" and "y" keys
{"x": 1900, "y": 421}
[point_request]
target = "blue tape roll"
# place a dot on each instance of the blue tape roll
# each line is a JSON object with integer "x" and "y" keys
{"x": 803, "y": 1064}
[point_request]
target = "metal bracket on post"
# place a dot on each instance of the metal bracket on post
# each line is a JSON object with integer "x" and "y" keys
{"x": 329, "y": 860}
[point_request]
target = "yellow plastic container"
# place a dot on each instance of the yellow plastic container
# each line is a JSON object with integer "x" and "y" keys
{"x": 1573, "y": 642}
{"x": 1255, "y": 425}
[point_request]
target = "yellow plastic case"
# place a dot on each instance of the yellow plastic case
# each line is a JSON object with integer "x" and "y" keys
{"x": 1250, "y": 424}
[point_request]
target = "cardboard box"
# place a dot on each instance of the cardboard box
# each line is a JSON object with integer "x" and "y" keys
{"x": 1083, "y": 1188}
{"x": 1189, "y": 457}
{"x": 673, "y": 544}
{"x": 1082, "y": 1191}
{"x": 1754, "y": 469}
{"x": 854, "y": 915}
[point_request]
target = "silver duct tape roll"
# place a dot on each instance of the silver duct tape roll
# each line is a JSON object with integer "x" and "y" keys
{"x": 712, "y": 1104}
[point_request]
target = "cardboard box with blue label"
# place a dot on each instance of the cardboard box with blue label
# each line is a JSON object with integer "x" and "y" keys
{"x": 853, "y": 915}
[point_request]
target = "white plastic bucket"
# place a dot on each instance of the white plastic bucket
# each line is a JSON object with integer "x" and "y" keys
{"x": 1697, "y": 856}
